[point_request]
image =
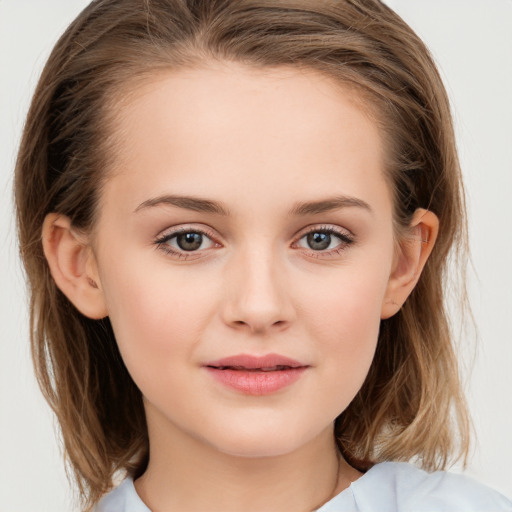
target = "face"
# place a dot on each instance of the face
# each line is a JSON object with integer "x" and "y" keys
{"x": 244, "y": 247}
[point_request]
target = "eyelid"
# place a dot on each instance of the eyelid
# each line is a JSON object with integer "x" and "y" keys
{"x": 188, "y": 228}
{"x": 343, "y": 233}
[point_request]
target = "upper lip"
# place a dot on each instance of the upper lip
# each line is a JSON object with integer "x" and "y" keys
{"x": 250, "y": 362}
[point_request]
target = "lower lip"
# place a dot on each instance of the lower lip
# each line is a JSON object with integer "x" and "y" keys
{"x": 257, "y": 383}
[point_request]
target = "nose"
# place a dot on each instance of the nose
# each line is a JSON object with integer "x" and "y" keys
{"x": 258, "y": 297}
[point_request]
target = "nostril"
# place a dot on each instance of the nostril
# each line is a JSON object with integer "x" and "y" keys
{"x": 259, "y": 327}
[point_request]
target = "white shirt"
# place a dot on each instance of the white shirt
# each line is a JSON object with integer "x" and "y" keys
{"x": 386, "y": 487}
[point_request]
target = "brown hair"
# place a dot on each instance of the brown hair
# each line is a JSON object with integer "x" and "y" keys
{"x": 411, "y": 404}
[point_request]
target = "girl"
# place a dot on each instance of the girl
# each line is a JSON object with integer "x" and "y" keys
{"x": 235, "y": 219}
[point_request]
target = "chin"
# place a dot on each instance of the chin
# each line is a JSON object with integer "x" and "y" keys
{"x": 266, "y": 441}
{"x": 252, "y": 450}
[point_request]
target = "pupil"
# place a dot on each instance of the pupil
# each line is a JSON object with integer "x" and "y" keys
{"x": 319, "y": 241}
{"x": 189, "y": 241}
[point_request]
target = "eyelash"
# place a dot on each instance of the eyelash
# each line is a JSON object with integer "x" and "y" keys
{"x": 161, "y": 242}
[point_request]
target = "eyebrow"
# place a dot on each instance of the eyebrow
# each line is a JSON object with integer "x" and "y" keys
{"x": 329, "y": 204}
{"x": 187, "y": 202}
{"x": 299, "y": 209}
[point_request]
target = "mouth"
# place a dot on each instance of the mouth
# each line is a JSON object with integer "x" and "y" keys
{"x": 256, "y": 375}
{"x": 276, "y": 368}
{"x": 246, "y": 362}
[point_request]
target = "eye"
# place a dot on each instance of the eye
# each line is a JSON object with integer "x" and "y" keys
{"x": 325, "y": 240}
{"x": 189, "y": 241}
{"x": 184, "y": 242}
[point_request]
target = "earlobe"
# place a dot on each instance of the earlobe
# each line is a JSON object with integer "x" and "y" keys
{"x": 413, "y": 252}
{"x": 73, "y": 266}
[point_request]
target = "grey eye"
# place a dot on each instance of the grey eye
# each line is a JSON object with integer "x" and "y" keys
{"x": 189, "y": 241}
{"x": 186, "y": 241}
{"x": 318, "y": 241}
{"x": 324, "y": 239}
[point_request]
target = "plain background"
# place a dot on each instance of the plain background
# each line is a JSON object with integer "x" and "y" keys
{"x": 471, "y": 41}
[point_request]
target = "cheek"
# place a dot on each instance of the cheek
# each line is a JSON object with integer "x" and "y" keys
{"x": 348, "y": 304}
{"x": 156, "y": 315}
{"x": 345, "y": 319}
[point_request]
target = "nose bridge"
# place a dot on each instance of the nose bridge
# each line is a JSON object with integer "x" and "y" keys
{"x": 257, "y": 296}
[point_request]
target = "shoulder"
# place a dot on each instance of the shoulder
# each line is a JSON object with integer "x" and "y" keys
{"x": 400, "y": 486}
{"x": 123, "y": 498}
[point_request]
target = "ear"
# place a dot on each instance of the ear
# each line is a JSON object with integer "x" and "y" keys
{"x": 73, "y": 265}
{"x": 413, "y": 252}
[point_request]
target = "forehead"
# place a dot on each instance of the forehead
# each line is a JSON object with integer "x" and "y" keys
{"x": 264, "y": 131}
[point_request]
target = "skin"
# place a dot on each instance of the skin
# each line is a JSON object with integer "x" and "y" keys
{"x": 260, "y": 142}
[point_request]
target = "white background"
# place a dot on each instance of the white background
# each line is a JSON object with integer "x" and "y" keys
{"x": 472, "y": 43}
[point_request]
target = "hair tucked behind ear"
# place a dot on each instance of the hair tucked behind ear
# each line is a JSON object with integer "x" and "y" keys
{"x": 411, "y": 405}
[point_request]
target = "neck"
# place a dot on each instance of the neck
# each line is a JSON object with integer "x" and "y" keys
{"x": 186, "y": 474}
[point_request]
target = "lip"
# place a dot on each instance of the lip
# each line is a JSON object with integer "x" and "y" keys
{"x": 256, "y": 375}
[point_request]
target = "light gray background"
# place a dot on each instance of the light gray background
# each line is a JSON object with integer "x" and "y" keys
{"x": 472, "y": 43}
